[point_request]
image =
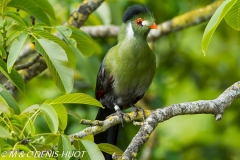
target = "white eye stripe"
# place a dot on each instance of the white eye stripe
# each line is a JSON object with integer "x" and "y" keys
{"x": 145, "y": 23}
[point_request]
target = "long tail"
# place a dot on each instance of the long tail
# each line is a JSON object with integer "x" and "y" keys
{"x": 110, "y": 135}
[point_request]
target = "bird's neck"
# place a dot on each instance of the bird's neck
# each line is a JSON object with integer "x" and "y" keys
{"x": 127, "y": 35}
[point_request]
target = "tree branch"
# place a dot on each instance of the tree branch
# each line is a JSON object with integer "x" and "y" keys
{"x": 78, "y": 17}
{"x": 28, "y": 64}
{"x": 35, "y": 69}
{"x": 178, "y": 23}
{"x": 215, "y": 107}
{"x": 32, "y": 71}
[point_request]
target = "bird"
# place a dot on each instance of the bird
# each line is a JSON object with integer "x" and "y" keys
{"x": 126, "y": 71}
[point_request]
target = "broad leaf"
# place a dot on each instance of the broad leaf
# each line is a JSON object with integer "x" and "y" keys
{"x": 47, "y": 7}
{"x": 4, "y": 133}
{"x": 16, "y": 17}
{"x": 14, "y": 76}
{"x": 57, "y": 62}
{"x": 88, "y": 137}
{"x": 70, "y": 54}
{"x": 16, "y": 49}
{"x": 12, "y": 36}
{"x": 23, "y": 148}
{"x": 233, "y": 16}
{"x": 31, "y": 128}
{"x": 3, "y": 53}
{"x": 214, "y": 22}
{"x": 4, "y": 108}
{"x": 51, "y": 117}
{"x": 64, "y": 147}
{"x": 5, "y": 2}
{"x": 84, "y": 41}
{"x": 66, "y": 31}
{"x": 62, "y": 115}
{"x": 78, "y": 98}
{"x": 92, "y": 151}
{"x": 32, "y": 8}
{"x": 110, "y": 149}
{"x": 31, "y": 108}
{"x": 9, "y": 99}
{"x": 51, "y": 138}
{"x": 72, "y": 113}
{"x": 27, "y": 123}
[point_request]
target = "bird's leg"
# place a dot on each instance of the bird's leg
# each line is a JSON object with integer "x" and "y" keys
{"x": 120, "y": 114}
{"x": 136, "y": 109}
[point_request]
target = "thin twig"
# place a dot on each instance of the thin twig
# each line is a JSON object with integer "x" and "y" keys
{"x": 28, "y": 64}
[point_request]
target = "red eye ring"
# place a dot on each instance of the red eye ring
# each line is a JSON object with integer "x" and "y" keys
{"x": 139, "y": 21}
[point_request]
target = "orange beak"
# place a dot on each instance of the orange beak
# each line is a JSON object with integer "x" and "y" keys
{"x": 153, "y": 26}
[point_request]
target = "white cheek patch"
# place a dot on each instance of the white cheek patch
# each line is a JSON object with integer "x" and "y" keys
{"x": 145, "y": 23}
{"x": 130, "y": 33}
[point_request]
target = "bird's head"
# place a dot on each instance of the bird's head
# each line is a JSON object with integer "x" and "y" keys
{"x": 138, "y": 20}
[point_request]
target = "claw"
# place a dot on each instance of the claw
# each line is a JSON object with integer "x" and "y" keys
{"x": 136, "y": 109}
{"x": 120, "y": 114}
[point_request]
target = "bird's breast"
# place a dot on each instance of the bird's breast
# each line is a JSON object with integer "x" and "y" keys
{"x": 133, "y": 70}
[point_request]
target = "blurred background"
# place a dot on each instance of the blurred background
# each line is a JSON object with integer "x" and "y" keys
{"x": 183, "y": 74}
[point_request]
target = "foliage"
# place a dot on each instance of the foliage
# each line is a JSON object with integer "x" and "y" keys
{"x": 60, "y": 56}
{"x": 41, "y": 117}
{"x": 18, "y": 129}
{"x": 229, "y": 10}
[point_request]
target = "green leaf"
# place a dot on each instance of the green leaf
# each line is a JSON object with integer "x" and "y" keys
{"x": 71, "y": 42}
{"x": 64, "y": 147}
{"x": 16, "y": 17}
{"x": 50, "y": 116}
{"x": 88, "y": 137}
{"x": 27, "y": 123}
{"x": 5, "y": 3}
{"x": 14, "y": 76}
{"x": 214, "y": 22}
{"x": 70, "y": 112}
{"x": 66, "y": 31}
{"x": 233, "y": 16}
{"x": 62, "y": 115}
{"x": 23, "y": 148}
{"x": 47, "y": 7}
{"x": 9, "y": 99}
{"x": 3, "y": 53}
{"x": 15, "y": 49}
{"x": 31, "y": 109}
{"x": 31, "y": 127}
{"x": 16, "y": 122}
{"x": 4, "y": 108}
{"x": 4, "y": 133}
{"x": 92, "y": 150}
{"x": 12, "y": 36}
{"x": 57, "y": 62}
{"x": 51, "y": 138}
{"x": 84, "y": 41}
{"x": 77, "y": 98}
{"x": 110, "y": 149}
{"x": 70, "y": 54}
{"x": 32, "y": 8}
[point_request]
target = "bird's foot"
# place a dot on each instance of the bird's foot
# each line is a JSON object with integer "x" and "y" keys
{"x": 120, "y": 114}
{"x": 136, "y": 109}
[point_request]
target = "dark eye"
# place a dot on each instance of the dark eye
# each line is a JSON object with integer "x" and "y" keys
{"x": 139, "y": 21}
